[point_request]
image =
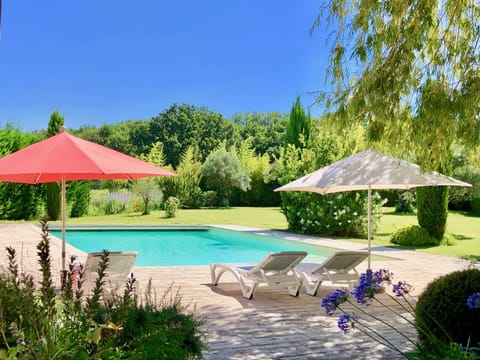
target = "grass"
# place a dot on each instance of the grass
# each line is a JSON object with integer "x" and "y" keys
{"x": 463, "y": 229}
{"x": 463, "y": 233}
{"x": 265, "y": 217}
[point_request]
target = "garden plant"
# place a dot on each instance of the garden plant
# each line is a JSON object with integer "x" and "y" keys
{"x": 36, "y": 322}
{"x": 386, "y": 312}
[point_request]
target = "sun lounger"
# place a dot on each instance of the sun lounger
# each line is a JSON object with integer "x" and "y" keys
{"x": 338, "y": 269}
{"x": 275, "y": 270}
{"x": 119, "y": 268}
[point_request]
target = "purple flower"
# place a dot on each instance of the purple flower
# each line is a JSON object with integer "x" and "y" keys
{"x": 369, "y": 284}
{"x": 334, "y": 299}
{"x": 347, "y": 321}
{"x": 383, "y": 275}
{"x": 401, "y": 288}
{"x": 473, "y": 301}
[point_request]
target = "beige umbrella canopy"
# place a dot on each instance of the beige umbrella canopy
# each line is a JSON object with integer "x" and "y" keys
{"x": 368, "y": 170}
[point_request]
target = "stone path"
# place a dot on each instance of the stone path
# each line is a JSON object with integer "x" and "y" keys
{"x": 273, "y": 325}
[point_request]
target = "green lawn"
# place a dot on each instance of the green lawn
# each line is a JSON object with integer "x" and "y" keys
{"x": 464, "y": 229}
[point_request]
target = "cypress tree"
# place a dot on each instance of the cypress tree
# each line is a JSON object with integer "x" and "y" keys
{"x": 299, "y": 125}
{"x": 53, "y": 189}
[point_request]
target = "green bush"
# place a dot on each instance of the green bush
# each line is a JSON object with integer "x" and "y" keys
{"x": 35, "y": 323}
{"x": 413, "y": 235}
{"x": 442, "y": 313}
{"x": 210, "y": 198}
{"x": 79, "y": 197}
{"x": 432, "y": 210}
{"x": 172, "y": 204}
{"x": 405, "y": 202}
{"x": 476, "y": 204}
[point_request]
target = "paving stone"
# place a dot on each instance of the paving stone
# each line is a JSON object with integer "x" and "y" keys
{"x": 273, "y": 325}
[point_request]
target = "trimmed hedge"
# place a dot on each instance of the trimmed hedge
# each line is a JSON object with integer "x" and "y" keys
{"x": 413, "y": 235}
{"x": 442, "y": 314}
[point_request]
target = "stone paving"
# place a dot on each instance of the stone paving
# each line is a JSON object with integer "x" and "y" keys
{"x": 273, "y": 325}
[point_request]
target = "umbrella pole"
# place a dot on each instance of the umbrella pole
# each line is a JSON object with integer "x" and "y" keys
{"x": 369, "y": 226}
{"x": 64, "y": 191}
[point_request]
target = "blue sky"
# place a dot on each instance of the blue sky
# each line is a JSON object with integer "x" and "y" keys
{"x": 105, "y": 61}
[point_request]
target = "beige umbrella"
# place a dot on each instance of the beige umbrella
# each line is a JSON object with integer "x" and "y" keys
{"x": 368, "y": 170}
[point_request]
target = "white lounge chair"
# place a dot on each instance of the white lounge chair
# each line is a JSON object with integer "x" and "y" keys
{"x": 119, "y": 268}
{"x": 338, "y": 269}
{"x": 276, "y": 270}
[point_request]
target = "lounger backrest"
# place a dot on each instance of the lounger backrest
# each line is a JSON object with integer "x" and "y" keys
{"x": 120, "y": 263}
{"x": 342, "y": 261}
{"x": 279, "y": 261}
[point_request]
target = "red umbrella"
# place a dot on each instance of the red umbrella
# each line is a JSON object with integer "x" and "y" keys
{"x": 64, "y": 157}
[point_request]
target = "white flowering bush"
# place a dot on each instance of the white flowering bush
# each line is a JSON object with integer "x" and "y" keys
{"x": 333, "y": 214}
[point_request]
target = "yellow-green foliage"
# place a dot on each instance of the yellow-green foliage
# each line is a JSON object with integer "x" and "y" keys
{"x": 413, "y": 235}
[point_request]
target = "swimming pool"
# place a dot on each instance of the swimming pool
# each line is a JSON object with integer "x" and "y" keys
{"x": 166, "y": 246}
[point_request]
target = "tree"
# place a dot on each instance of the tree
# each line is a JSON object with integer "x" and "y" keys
{"x": 53, "y": 190}
{"x": 260, "y": 193}
{"x": 181, "y": 126}
{"x": 188, "y": 181}
{"x": 17, "y": 201}
{"x": 148, "y": 190}
{"x": 267, "y": 131}
{"x": 223, "y": 172}
{"x": 298, "y": 127}
{"x": 409, "y": 72}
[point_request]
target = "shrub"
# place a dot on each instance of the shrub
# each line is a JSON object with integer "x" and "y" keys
{"x": 78, "y": 197}
{"x": 171, "y": 206}
{"x": 210, "y": 198}
{"x": 413, "y": 235}
{"x": 432, "y": 209}
{"x": 405, "y": 203}
{"x": 476, "y": 205}
{"x": 391, "y": 326}
{"x": 332, "y": 214}
{"x": 442, "y": 308}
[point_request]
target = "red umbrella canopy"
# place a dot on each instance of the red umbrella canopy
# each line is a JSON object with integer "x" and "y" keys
{"x": 66, "y": 157}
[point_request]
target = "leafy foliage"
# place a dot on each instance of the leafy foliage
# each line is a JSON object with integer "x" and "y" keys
{"x": 223, "y": 172}
{"x": 181, "y": 126}
{"x": 258, "y": 166}
{"x": 187, "y": 182}
{"x": 298, "y": 127}
{"x": 335, "y": 214}
{"x": 171, "y": 205}
{"x": 52, "y": 190}
{"x": 413, "y": 235}
{"x": 397, "y": 305}
{"x": 78, "y": 197}
{"x": 405, "y": 203}
{"x": 37, "y": 324}
{"x": 267, "y": 131}
{"x": 148, "y": 190}
{"x": 17, "y": 201}
{"x": 404, "y": 69}
{"x": 443, "y": 309}
{"x": 432, "y": 204}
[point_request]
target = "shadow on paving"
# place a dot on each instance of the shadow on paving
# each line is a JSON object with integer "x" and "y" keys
{"x": 277, "y": 326}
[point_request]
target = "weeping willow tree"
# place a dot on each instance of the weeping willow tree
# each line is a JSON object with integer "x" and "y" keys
{"x": 409, "y": 72}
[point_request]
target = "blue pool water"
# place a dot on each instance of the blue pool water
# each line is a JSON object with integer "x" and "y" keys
{"x": 185, "y": 247}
